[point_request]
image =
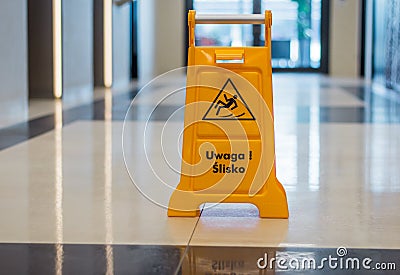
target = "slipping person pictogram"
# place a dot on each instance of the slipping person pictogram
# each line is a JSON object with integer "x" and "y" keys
{"x": 228, "y": 105}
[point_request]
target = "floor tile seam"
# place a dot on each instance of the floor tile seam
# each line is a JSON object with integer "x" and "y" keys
{"x": 70, "y": 108}
{"x": 50, "y": 116}
{"x": 188, "y": 243}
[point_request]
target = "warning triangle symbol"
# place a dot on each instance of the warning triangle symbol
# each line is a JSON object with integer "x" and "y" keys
{"x": 228, "y": 105}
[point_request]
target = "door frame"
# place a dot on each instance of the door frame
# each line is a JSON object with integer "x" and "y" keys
{"x": 325, "y": 25}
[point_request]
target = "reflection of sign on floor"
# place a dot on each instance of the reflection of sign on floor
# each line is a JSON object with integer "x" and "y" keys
{"x": 228, "y": 105}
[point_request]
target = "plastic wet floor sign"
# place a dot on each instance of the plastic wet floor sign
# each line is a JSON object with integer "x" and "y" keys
{"x": 228, "y": 150}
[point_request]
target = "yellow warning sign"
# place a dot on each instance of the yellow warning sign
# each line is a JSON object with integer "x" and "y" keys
{"x": 228, "y": 151}
{"x": 228, "y": 104}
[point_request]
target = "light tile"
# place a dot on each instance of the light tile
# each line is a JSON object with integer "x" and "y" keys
{"x": 343, "y": 189}
{"x": 71, "y": 186}
{"x": 74, "y": 98}
{"x": 290, "y": 90}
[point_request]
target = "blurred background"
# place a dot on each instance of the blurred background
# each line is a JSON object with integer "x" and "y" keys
{"x": 69, "y": 48}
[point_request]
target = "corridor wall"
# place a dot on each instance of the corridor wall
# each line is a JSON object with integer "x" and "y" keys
{"x": 13, "y": 61}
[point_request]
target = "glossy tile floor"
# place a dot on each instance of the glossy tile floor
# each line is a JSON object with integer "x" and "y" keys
{"x": 68, "y": 204}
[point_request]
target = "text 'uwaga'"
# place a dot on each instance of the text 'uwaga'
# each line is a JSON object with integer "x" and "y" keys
{"x": 231, "y": 168}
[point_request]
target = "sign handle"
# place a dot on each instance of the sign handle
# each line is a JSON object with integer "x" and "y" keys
{"x": 194, "y": 19}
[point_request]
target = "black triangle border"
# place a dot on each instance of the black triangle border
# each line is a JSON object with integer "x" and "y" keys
{"x": 241, "y": 98}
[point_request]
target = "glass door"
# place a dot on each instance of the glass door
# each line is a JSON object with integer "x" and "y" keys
{"x": 296, "y": 29}
{"x": 386, "y": 43}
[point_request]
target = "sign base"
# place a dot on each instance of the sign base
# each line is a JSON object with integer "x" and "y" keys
{"x": 271, "y": 203}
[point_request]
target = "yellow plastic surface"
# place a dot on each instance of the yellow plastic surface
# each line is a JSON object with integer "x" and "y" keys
{"x": 228, "y": 150}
